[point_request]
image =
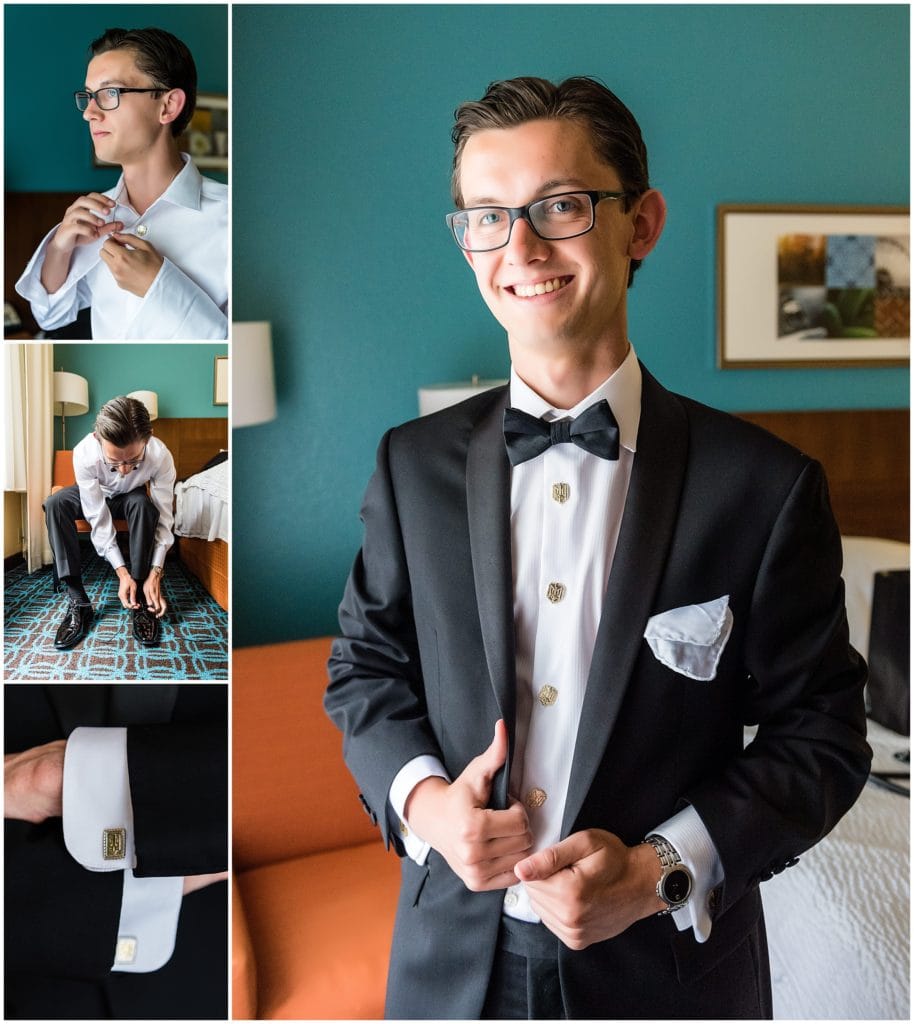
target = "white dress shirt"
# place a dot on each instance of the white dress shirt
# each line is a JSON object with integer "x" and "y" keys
{"x": 98, "y": 834}
{"x": 555, "y": 638}
{"x": 97, "y": 482}
{"x": 188, "y": 300}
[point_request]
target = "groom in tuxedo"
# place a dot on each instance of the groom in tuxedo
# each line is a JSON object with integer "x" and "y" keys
{"x": 573, "y": 594}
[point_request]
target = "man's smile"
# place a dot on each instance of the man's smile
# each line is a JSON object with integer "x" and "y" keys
{"x": 528, "y": 291}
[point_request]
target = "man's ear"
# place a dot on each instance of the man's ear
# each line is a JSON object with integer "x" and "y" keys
{"x": 173, "y": 103}
{"x": 647, "y": 223}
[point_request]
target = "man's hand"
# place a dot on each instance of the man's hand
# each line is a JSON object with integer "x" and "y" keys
{"x": 126, "y": 588}
{"x": 591, "y": 886}
{"x": 33, "y": 783}
{"x": 84, "y": 222}
{"x": 133, "y": 269}
{"x": 152, "y": 591}
{"x": 194, "y": 882}
{"x": 481, "y": 845}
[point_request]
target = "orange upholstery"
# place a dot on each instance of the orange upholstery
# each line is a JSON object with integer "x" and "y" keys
{"x": 316, "y": 890}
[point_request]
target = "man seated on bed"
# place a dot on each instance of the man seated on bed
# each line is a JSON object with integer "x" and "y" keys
{"x": 149, "y": 255}
{"x": 113, "y": 465}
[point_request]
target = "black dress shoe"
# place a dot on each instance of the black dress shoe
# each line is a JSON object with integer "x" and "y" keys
{"x": 74, "y": 627}
{"x": 145, "y": 627}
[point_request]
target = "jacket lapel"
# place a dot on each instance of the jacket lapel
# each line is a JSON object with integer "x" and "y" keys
{"x": 489, "y": 514}
{"x": 650, "y": 515}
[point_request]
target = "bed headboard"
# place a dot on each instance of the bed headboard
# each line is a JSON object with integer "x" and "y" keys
{"x": 865, "y": 453}
{"x": 192, "y": 440}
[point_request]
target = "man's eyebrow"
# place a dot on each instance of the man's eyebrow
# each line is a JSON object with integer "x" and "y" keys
{"x": 547, "y": 188}
{"x": 108, "y": 81}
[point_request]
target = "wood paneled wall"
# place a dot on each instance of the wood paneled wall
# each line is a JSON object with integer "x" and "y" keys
{"x": 192, "y": 441}
{"x": 866, "y": 455}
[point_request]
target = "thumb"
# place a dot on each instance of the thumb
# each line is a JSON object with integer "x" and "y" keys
{"x": 548, "y": 861}
{"x": 482, "y": 769}
{"x": 134, "y": 241}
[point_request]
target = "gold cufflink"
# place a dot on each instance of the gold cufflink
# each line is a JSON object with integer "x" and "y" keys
{"x": 404, "y": 831}
{"x": 561, "y": 493}
{"x": 114, "y": 843}
{"x": 125, "y": 951}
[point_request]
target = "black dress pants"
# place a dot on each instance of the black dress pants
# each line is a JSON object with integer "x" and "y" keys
{"x": 63, "y": 508}
{"x": 524, "y": 984}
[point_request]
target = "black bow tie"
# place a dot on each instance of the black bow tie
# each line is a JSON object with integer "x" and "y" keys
{"x": 595, "y": 430}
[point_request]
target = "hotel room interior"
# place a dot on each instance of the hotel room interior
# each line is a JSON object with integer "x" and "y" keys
{"x": 340, "y": 243}
{"x": 72, "y": 381}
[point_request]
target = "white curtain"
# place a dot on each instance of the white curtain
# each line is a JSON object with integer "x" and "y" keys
{"x": 29, "y": 439}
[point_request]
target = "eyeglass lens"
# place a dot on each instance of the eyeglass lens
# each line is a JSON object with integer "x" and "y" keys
{"x": 105, "y": 99}
{"x": 554, "y": 217}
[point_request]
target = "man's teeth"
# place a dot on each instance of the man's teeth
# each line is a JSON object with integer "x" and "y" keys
{"x": 526, "y": 291}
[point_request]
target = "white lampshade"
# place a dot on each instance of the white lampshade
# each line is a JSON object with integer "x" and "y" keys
{"x": 253, "y": 383}
{"x": 440, "y": 396}
{"x": 71, "y": 394}
{"x": 150, "y": 399}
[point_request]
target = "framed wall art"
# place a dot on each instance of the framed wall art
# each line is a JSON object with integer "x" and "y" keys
{"x": 221, "y": 380}
{"x": 813, "y": 286}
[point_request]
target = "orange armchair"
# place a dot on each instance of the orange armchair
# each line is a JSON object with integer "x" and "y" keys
{"x": 314, "y": 891}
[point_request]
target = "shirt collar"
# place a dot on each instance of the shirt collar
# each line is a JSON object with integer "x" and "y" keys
{"x": 622, "y": 390}
{"x": 185, "y": 189}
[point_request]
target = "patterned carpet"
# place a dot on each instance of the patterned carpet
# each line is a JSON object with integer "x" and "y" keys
{"x": 193, "y": 645}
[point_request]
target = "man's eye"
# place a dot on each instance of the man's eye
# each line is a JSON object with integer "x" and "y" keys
{"x": 489, "y": 218}
{"x": 110, "y": 94}
{"x": 564, "y": 205}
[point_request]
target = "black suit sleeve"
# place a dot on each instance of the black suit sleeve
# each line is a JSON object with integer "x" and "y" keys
{"x": 375, "y": 694}
{"x": 809, "y": 759}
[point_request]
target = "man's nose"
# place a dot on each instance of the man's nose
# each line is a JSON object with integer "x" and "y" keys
{"x": 524, "y": 243}
{"x": 93, "y": 111}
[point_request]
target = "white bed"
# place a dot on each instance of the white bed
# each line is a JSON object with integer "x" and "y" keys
{"x": 201, "y": 504}
{"x": 839, "y": 921}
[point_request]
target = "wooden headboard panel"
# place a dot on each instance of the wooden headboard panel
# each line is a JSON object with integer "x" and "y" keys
{"x": 192, "y": 441}
{"x": 865, "y": 453}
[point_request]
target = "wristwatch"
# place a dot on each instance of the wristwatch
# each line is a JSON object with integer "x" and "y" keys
{"x": 675, "y": 884}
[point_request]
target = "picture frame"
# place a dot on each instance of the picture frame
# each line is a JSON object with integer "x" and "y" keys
{"x": 221, "y": 380}
{"x": 812, "y": 286}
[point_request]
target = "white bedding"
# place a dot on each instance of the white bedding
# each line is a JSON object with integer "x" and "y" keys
{"x": 201, "y": 508}
{"x": 838, "y": 922}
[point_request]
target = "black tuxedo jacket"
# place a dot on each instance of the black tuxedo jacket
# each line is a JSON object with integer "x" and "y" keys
{"x": 61, "y": 919}
{"x": 425, "y": 664}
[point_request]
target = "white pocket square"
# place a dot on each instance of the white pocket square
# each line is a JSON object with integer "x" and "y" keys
{"x": 691, "y": 639}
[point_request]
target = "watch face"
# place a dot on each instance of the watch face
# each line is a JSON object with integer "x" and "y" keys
{"x": 677, "y": 885}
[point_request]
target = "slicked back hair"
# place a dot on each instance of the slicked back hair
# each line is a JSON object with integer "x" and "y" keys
{"x": 123, "y": 421}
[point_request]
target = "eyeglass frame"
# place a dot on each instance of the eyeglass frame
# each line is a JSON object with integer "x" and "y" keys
{"x": 134, "y": 463}
{"x": 119, "y": 89}
{"x": 516, "y": 213}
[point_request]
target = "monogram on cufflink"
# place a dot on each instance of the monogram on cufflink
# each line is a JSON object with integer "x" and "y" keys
{"x": 125, "y": 951}
{"x": 114, "y": 843}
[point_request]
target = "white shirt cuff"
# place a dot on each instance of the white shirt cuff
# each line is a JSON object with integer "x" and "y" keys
{"x": 146, "y": 932}
{"x": 408, "y": 777}
{"x": 687, "y": 833}
{"x": 97, "y": 812}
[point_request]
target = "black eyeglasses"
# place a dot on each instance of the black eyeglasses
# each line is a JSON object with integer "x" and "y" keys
{"x": 132, "y": 464}
{"x": 564, "y": 215}
{"x": 108, "y": 98}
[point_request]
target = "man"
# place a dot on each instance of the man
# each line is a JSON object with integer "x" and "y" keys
{"x": 628, "y": 579}
{"x": 115, "y": 799}
{"x": 113, "y": 466}
{"x": 149, "y": 255}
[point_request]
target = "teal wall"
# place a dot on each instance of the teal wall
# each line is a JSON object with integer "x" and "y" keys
{"x": 181, "y": 375}
{"x": 340, "y": 170}
{"x": 45, "y": 55}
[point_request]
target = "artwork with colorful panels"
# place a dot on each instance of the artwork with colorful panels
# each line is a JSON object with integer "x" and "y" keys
{"x": 843, "y": 286}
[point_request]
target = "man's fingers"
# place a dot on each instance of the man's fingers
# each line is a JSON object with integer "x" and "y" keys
{"x": 544, "y": 863}
{"x": 134, "y": 241}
